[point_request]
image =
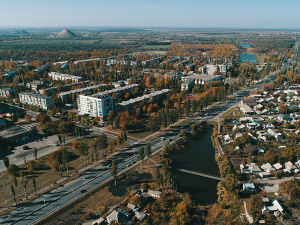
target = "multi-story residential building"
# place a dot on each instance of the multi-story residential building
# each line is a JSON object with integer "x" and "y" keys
{"x": 42, "y": 68}
{"x": 135, "y": 101}
{"x": 62, "y": 95}
{"x": 201, "y": 78}
{"x": 95, "y": 106}
{"x": 41, "y": 101}
{"x": 35, "y": 85}
{"x": 64, "y": 77}
{"x": 187, "y": 84}
{"x": 7, "y": 92}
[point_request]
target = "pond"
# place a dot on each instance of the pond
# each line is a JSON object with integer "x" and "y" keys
{"x": 244, "y": 58}
{"x": 199, "y": 156}
{"x": 244, "y": 45}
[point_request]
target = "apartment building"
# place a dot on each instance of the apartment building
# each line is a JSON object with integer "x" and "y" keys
{"x": 6, "y": 92}
{"x": 131, "y": 102}
{"x": 41, "y": 101}
{"x": 95, "y": 106}
{"x": 64, "y": 77}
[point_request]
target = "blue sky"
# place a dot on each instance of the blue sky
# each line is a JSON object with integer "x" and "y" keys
{"x": 160, "y": 13}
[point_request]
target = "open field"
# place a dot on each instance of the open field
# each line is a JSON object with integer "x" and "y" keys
{"x": 156, "y": 47}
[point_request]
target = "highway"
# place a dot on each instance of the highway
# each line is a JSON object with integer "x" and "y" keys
{"x": 42, "y": 206}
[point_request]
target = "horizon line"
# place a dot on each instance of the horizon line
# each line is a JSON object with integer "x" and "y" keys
{"x": 150, "y": 27}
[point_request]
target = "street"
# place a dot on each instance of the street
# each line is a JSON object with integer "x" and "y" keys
{"x": 38, "y": 209}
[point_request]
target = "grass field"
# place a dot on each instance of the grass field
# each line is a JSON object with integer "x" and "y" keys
{"x": 156, "y": 47}
{"x": 233, "y": 113}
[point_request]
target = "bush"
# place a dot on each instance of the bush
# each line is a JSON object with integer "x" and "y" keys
{"x": 13, "y": 169}
{"x": 25, "y": 147}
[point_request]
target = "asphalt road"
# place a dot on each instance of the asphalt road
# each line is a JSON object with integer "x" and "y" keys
{"x": 37, "y": 209}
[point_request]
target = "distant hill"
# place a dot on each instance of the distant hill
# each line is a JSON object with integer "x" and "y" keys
{"x": 65, "y": 34}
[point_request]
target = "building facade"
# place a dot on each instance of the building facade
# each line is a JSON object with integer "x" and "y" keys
{"x": 64, "y": 77}
{"x": 95, "y": 106}
{"x": 6, "y": 92}
{"x": 41, "y": 101}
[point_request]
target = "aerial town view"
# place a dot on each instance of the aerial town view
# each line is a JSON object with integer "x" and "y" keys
{"x": 149, "y": 112}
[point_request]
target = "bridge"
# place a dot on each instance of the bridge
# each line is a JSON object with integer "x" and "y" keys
{"x": 200, "y": 174}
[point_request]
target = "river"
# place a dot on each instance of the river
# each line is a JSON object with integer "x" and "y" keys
{"x": 199, "y": 155}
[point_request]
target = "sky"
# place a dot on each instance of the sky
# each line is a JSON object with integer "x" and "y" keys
{"x": 151, "y": 13}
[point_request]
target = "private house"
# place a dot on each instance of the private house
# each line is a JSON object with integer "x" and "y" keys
{"x": 252, "y": 125}
{"x": 284, "y": 118}
{"x": 249, "y": 101}
{"x": 264, "y": 174}
{"x": 154, "y": 194}
{"x": 248, "y": 188}
{"x": 275, "y": 208}
{"x": 250, "y": 168}
{"x": 298, "y": 163}
{"x": 244, "y": 168}
{"x": 133, "y": 207}
{"x": 140, "y": 215}
{"x": 278, "y": 166}
{"x": 117, "y": 216}
{"x": 268, "y": 168}
{"x": 274, "y": 134}
{"x": 290, "y": 167}
{"x": 227, "y": 138}
{"x": 247, "y": 110}
{"x": 246, "y": 119}
{"x": 254, "y": 169}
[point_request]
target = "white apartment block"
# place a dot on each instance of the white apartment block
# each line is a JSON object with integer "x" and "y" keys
{"x": 63, "y": 77}
{"x": 95, "y": 106}
{"x": 6, "y": 92}
{"x": 41, "y": 101}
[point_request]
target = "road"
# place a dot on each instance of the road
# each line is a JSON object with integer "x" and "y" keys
{"x": 52, "y": 148}
{"x": 37, "y": 209}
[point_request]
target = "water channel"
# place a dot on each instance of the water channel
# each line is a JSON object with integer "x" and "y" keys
{"x": 199, "y": 156}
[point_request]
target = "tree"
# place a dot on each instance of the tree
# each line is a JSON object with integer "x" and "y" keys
{"x": 24, "y": 182}
{"x": 12, "y": 169}
{"x": 6, "y": 161}
{"x": 103, "y": 143}
{"x": 35, "y": 153}
{"x": 13, "y": 192}
{"x": 166, "y": 148}
{"x": 60, "y": 139}
{"x": 82, "y": 148}
{"x": 114, "y": 171}
{"x": 141, "y": 155}
{"x": 75, "y": 144}
{"x": 34, "y": 184}
{"x": 256, "y": 205}
{"x": 65, "y": 159}
{"x": 148, "y": 152}
{"x": 15, "y": 182}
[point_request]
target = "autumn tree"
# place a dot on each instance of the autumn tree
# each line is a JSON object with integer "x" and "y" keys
{"x": 114, "y": 171}
{"x": 148, "y": 152}
{"x": 141, "y": 155}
